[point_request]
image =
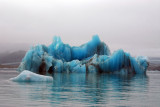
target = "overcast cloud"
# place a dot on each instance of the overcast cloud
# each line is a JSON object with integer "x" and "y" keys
{"x": 133, "y": 25}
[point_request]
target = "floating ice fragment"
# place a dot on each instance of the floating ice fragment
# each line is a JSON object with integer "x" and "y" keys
{"x": 28, "y": 76}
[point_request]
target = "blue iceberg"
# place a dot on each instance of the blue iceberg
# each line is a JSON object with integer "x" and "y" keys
{"x": 28, "y": 76}
{"x": 91, "y": 57}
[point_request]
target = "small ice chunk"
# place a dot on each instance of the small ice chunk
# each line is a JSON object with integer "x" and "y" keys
{"x": 28, "y": 76}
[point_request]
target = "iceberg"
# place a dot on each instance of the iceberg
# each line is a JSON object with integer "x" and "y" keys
{"x": 91, "y": 57}
{"x": 28, "y": 76}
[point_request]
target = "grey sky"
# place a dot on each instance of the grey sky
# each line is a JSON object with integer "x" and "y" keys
{"x": 133, "y": 25}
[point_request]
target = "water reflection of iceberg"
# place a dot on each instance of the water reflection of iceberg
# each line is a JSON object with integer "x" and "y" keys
{"x": 93, "y": 56}
{"x": 90, "y": 89}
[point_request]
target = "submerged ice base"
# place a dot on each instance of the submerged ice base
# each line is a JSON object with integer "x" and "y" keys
{"x": 92, "y": 57}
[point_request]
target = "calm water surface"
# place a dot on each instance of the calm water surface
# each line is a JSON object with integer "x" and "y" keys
{"x": 82, "y": 90}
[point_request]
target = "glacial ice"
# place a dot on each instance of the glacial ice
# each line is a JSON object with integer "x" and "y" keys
{"x": 92, "y": 57}
{"x": 28, "y": 76}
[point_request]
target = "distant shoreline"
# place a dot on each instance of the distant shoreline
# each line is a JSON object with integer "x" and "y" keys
{"x": 9, "y": 66}
{"x": 153, "y": 67}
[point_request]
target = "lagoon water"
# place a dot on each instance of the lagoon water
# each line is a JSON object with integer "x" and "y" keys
{"x": 82, "y": 90}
